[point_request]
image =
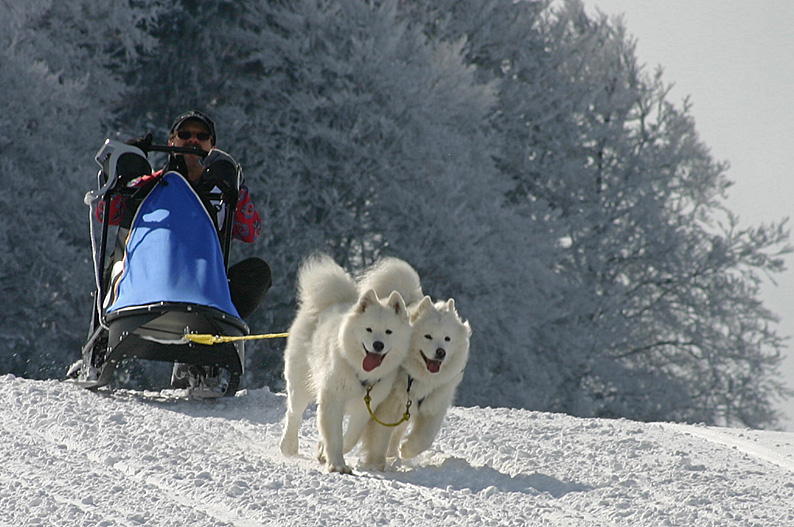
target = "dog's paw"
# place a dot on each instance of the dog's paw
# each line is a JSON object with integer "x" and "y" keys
{"x": 335, "y": 463}
{"x": 411, "y": 449}
{"x": 340, "y": 468}
{"x": 289, "y": 446}
{"x": 320, "y": 453}
{"x": 372, "y": 465}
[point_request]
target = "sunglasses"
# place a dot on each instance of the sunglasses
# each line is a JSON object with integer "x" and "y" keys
{"x": 185, "y": 135}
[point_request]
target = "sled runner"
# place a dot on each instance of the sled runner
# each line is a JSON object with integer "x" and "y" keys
{"x": 165, "y": 275}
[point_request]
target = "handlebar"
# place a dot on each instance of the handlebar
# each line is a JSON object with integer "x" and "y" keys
{"x": 195, "y": 150}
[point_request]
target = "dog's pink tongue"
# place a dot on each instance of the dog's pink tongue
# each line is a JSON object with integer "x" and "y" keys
{"x": 372, "y": 361}
{"x": 433, "y": 365}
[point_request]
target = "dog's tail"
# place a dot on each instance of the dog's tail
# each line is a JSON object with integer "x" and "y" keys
{"x": 322, "y": 283}
{"x": 392, "y": 274}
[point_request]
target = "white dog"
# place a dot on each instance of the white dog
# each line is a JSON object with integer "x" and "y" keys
{"x": 341, "y": 345}
{"x": 430, "y": 374}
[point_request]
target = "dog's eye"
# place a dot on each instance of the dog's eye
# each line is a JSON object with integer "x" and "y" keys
{"x": 388, "y": 332}
{"x": 447, "y": 339}
{"x": 429, "y": 337}
{"x": 369, "y": 330}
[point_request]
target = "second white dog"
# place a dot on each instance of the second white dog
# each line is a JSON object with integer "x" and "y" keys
{"x": 341, "y": 344}
{"x": 429, "y": 376}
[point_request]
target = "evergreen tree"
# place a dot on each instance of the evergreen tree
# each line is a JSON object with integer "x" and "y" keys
{"x": 600, "y": 160}
{"x": 670, "y": 280}
{"x": 57, "y": 77}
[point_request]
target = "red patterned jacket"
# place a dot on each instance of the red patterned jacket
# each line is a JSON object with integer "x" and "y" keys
{"x": 247, "y": 223}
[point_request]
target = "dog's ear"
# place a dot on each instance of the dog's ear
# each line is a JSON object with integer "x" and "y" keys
{"x": 366, "y": 300}
{"x": 397, "y": 303}
{"x": 451, "y": 308}
{"x": 424, "y": 305}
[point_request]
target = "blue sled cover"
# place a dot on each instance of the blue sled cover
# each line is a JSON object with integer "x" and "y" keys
{"x": 173, "y": 253}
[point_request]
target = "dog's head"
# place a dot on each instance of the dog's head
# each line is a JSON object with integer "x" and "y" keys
{"x": 439, "y": 340}
{"x": 377, "y": 332}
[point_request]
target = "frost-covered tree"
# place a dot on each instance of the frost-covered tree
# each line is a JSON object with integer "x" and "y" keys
{"x": 599, "y": 158}
{"x": 57, "y": 75}
{"x": 506, "y": 44}
{"x": 667, "y": 282}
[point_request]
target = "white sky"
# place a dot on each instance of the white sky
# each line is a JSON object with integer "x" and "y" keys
{"x": 735, "y": 60}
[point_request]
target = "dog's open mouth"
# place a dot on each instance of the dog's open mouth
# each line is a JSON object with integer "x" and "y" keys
{"x": 372, "y": 360}
{"x": 433, "y": 366}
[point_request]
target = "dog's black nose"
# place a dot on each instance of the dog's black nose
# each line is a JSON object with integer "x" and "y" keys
{"x": 377, "y": 346}
{"x": 441, "y": 353}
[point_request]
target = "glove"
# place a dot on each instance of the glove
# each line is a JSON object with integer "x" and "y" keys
{"x": 218, "y": 155}
{"x": 221, "y": 170}
{"x": 144, "y": 143}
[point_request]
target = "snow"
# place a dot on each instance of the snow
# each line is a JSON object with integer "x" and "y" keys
{"x": 75, "y": 457}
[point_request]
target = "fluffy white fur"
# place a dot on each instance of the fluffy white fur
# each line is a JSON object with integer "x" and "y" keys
{"x": 341, "y": 341}
{"x": 431, "y": 372}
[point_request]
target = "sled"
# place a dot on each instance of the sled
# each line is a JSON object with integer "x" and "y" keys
{"x": 161, "y": 272}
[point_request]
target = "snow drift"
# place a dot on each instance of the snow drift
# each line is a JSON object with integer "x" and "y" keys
{"x": 73, "y": 457}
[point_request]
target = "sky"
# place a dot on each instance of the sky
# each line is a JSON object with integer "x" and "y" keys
{"x": 734, "y": 59}
{"x": 122, "y": 458}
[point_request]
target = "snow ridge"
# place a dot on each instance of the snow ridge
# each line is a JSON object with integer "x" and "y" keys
{"x": 749, "y": 442}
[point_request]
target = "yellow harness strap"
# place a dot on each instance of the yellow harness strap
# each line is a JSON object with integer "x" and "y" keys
{"x": 406, "y": 415}
{"x": 208, "y": 340}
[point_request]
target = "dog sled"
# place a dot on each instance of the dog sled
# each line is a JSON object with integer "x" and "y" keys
{"x": 161, "y": 272}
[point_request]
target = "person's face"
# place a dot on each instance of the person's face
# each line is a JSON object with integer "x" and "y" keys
{"x": 193, "y": 133}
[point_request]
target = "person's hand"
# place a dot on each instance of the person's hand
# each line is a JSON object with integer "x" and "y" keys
{"x": 221, "y": 170}
{"x": 218, "y": 155}
{"x": 144, "y": 143}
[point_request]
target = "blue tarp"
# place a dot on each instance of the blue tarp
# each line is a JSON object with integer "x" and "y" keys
{"x": 173, "y": 253}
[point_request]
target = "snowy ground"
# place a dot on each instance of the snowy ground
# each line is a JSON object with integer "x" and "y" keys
{"x": 73, "y": 457}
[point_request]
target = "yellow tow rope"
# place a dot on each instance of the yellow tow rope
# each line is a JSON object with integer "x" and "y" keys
{"x": 208, "y": 340}
{"x": 406, "y": 415}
